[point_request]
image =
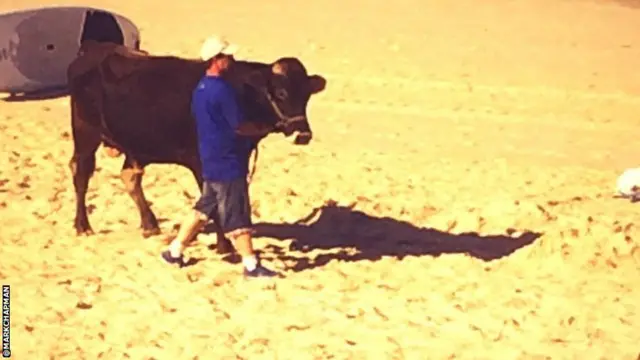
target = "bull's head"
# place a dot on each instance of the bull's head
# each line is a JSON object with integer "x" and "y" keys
{"x": 287, "y": 88}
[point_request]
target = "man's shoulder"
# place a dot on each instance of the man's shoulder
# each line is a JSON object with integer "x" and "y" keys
{"x": 214, "y": 85}
{"x": 208, "y": 83}
{"x": 215, "y": 82}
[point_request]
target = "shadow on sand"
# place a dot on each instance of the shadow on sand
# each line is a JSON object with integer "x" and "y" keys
{"x": 353, "y": 235}
{"x": 47, "y": 94}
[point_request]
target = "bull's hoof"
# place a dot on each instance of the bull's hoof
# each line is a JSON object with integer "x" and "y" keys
{"x": 84, "y": 232}
{"x": 224, "y": 247}
{"x": 147, "y": 233}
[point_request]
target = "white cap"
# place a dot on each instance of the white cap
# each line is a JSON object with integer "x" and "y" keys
{"x": 215, "y": 45}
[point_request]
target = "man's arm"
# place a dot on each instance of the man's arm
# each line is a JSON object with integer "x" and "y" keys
{"x": 253, "y": 129}
{"x": 233, "y": 114}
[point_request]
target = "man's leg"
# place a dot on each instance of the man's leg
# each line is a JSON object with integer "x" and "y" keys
{"x": 243, "y": 243}
{"x": 191, "y": 225}
{"x": 235, "y": 213}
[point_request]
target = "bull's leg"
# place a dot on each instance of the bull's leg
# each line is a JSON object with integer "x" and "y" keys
{"x": 131, "y": 175}
{"x": 223, "y": 245}
{"x": 82, "y": 166}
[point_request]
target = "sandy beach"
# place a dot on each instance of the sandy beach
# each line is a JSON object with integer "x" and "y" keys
{"x": 456, "y": 201}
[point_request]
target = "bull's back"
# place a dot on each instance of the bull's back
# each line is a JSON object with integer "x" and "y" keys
{"x": 146, "y": 104}
{"x": 143, "y": 103}
{"x": 151, "y": 110}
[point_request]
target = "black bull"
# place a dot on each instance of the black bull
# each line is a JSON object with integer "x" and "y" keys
{"x": 140, "y": 105}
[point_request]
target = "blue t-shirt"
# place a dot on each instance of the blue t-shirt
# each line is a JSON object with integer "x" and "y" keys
{"x": 223, "y": 153}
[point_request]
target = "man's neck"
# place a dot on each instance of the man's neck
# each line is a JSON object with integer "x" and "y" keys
{"x": 213, "y": 72}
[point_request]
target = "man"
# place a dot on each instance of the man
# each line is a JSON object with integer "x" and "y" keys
{"x": 225, "y": 145}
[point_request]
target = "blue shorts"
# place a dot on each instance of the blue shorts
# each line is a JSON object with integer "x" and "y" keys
{"x": 231, "y": 200}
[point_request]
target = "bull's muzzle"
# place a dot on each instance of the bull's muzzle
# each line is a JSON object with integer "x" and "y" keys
{"x": 300, "y": 127}
{"x": 303, "y": 138}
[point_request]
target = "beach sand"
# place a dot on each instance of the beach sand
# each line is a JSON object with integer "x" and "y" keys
{"x": 456, "y": 201}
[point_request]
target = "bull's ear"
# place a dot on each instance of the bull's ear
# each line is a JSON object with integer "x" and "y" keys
{"x": 317, "y": 84}
{"x": 278, "y": 69}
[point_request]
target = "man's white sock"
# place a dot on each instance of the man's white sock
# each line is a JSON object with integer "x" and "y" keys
{"x": 250, "y": 262}
{"x": 175, "y": 249}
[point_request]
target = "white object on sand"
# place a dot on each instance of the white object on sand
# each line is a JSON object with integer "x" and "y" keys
{"x": 628, "y": 184}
